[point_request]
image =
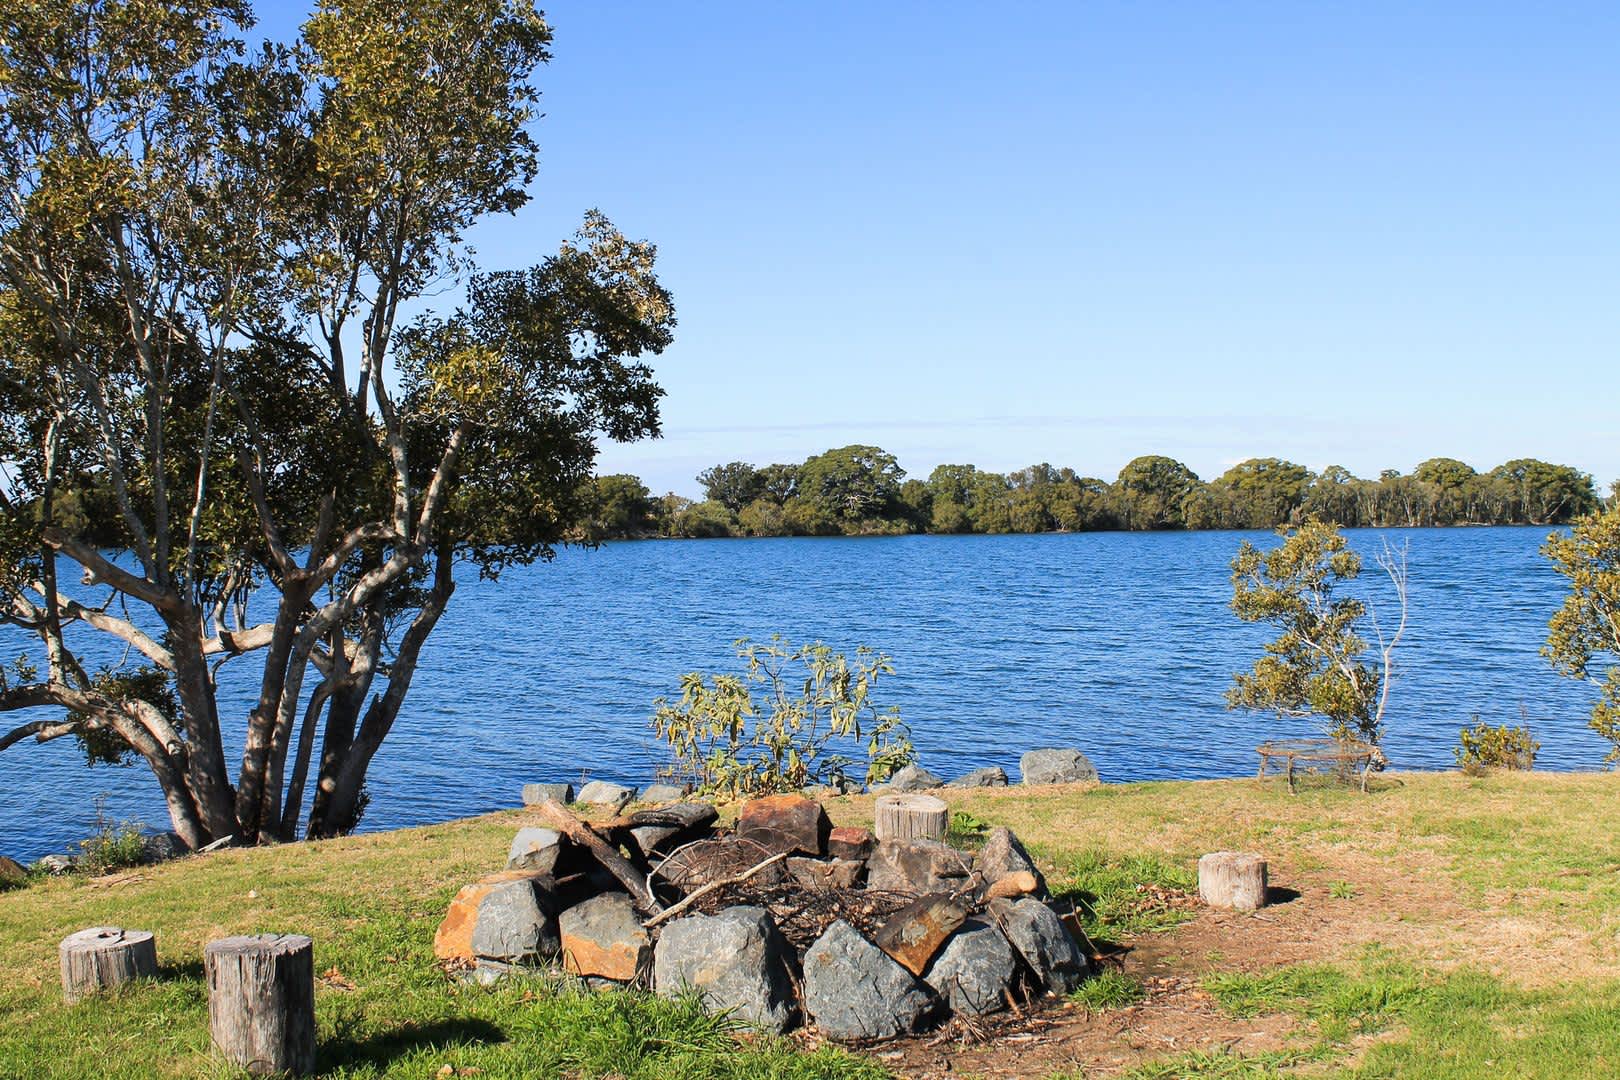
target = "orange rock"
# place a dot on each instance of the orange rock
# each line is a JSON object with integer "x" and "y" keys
{"x": 604, "y": 938}
{"x": 453, "y": 939}
{"x": 790, "y": 823}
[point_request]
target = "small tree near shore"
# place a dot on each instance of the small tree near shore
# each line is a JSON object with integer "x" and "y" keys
{"x": 1588, "y": 625}
{"x": 793, "y": 717}
{"x": 1315, "y": 667}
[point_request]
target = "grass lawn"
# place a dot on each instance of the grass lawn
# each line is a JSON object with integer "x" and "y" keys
{"x": 1440, "y": 926}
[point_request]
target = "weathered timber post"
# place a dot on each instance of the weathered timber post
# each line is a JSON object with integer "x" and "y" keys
{"x": 1232, "y": 879}
{"x": 261, "y": 1001}
{"x": 911, "y": 817}
{"x": 103, "y": 957}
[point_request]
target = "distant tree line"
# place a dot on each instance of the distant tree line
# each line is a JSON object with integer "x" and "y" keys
{"x": 861, "y": 491}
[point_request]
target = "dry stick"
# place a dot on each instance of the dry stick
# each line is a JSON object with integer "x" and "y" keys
{"x": 676, "y": 909}
{"x": 614, "y": 863}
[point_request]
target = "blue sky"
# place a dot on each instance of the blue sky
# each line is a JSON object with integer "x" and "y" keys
{"x": 1078, "y": 232}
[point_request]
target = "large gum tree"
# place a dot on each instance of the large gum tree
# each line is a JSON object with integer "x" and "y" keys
{"x": 223, "y": 410}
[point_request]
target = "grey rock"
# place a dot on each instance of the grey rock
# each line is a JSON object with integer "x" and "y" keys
{"x": 991, "y": 776}
{"x": 603, "y": 938}
{"x": 1056, "y": 767}
{"x": 517, "y": 923}
{"x": 853, "y": 990}
{"x": 911, "y": 778}
{"x": 974, "y": 970}
{"x": 915, "y": 866}
{"x": 535, "y": 794}
{"x": 55, "y": 864}
{"x": 657, "y": 793}
{"x": 161, "y": 847}
{"x": 488, "y": 972}
{"x": 1001, "y": 855}
{"x": 605, "y": 793}
{"x": 667, "y": 827}
{"x": 832, "y": 789}
{"x": 1038, "y": 935}
{"x": 825, "y": 873}
{"x": 736, "y": 960}
{"x": 535, "y": 849}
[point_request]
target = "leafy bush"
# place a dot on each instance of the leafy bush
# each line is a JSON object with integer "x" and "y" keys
{"x": 780, "y": 724}
{"x": 1484, "y": 746}
{"x": 113, "y": 846}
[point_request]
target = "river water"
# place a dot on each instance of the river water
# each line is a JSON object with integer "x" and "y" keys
{"x": 1121, "y": 644}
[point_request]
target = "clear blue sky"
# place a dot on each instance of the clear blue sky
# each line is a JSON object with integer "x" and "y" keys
{"x": 1077, "y": 232}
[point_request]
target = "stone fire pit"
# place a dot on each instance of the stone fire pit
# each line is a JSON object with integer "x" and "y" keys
{"x": 782, "y": 920}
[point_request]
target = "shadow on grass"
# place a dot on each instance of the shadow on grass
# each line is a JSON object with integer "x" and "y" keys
{"x": 180, "y": 972}
{"x": 1278, "y": 894}
{"x": 381, "y": 1049}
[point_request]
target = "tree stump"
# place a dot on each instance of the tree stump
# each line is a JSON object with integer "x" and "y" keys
{"x": 103, "y": 957}
{"x": 261, "y": 1001}
{"x": 1232, "y": 879}
{"x": 911, "y": 817}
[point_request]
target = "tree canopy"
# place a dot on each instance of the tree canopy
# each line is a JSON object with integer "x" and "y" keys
{"x": 207, "y": 255}
{"x": 861, "y": 490}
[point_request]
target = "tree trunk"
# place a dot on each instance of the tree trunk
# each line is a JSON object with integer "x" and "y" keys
{"x": 911, "y": 817}
{"x": 1233, "y": 880}
{"x": 207, "y": 776}
{"x": 261, "y": 1001}
{"x": 103, "y": 957}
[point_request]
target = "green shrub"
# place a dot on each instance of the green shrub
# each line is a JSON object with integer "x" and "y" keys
{"x": 782, "y": 723}
{"x": 1484, "y": 746}
{"x": 113, "y": 846}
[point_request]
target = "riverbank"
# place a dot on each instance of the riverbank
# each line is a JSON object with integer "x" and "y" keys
{"x": 1439, "y": 919}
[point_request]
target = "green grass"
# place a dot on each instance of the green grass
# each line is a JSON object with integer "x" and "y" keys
{"x": 1224, "y": 1065}
{"x": 1119, "y": 895}
{"x": 383, "y": 1007}
{"x": 1464, "y": 997}
{"x": 1108, "y": 990}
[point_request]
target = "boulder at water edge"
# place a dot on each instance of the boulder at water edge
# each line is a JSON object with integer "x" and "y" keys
{"x": 662, "y": 793}
{"x": 736, "y": 960}
{"x": 604, "y": 793}
{"x": 911, "y": 778}
{"x": 853, "y": 990}
{"x": 1038, "y": 935}
{"x": 990, "y": 776}
{"x": 535, "y": 794}
{"x": 975, "y": 969}
{"x": 1057, "y": 767}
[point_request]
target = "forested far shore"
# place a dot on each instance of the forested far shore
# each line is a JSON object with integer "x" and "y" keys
{"x": 863, "y": 491}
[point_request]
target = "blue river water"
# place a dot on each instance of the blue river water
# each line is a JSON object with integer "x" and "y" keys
{"x": 1121, "y": 644}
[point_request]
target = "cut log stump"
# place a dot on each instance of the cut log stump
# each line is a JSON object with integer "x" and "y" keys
{"x": 1234, "y": 880}
{"x": 261, "y": 1001}
{"x": 911, "y": 817}
{"x": 103, "y": 957}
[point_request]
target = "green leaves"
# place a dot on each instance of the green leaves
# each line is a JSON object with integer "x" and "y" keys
{"x": 1314, "y": 666}
{"x": 780, "y": 725}
{"x": 1588, "y": 623}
